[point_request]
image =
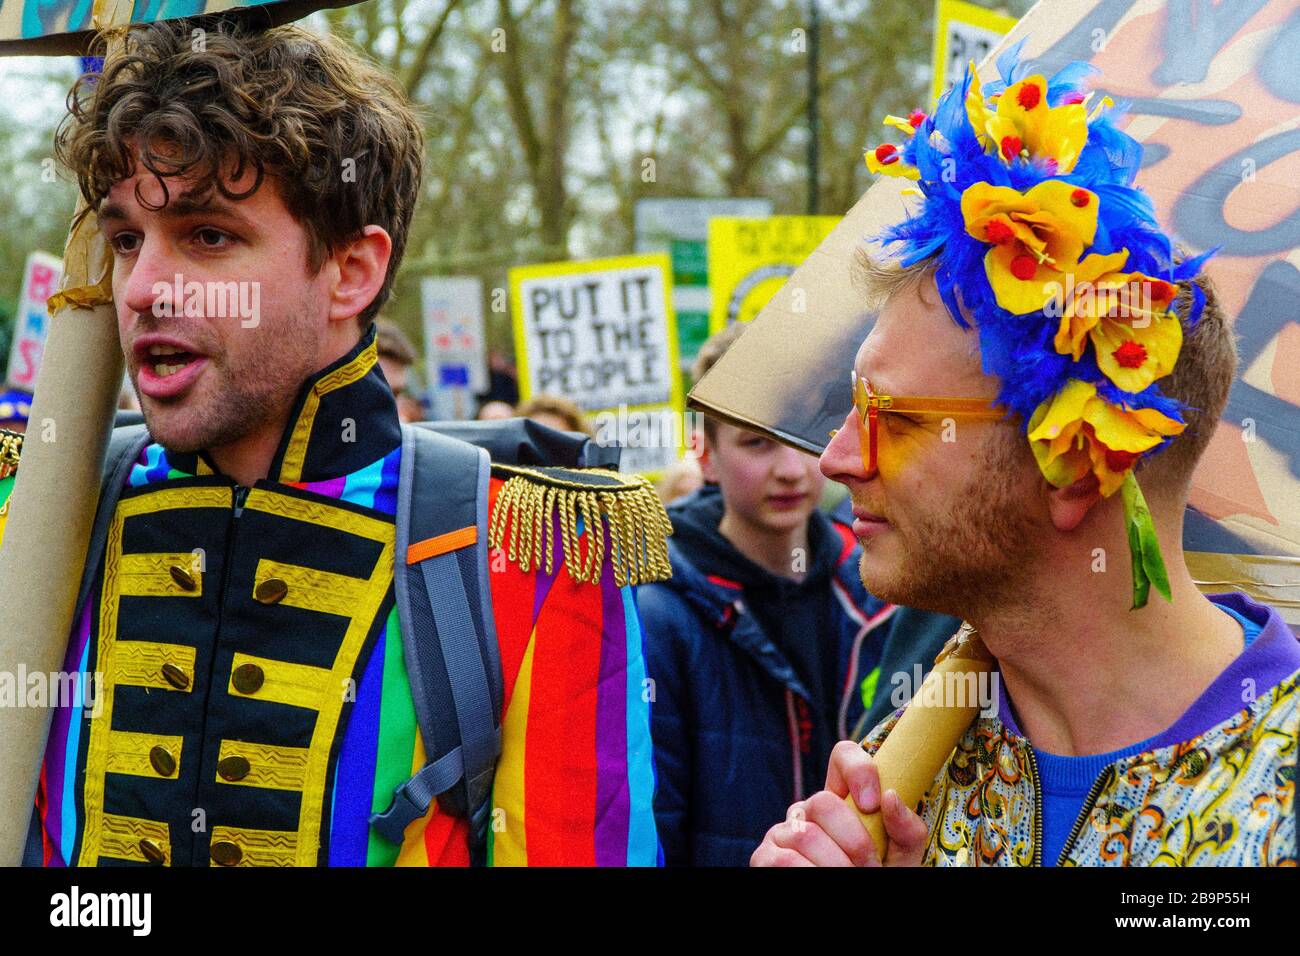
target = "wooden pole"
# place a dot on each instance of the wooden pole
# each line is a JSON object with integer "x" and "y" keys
{"x": 53, "y": 502}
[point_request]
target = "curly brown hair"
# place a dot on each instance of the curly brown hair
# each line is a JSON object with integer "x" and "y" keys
{"x": 199, "y": 98}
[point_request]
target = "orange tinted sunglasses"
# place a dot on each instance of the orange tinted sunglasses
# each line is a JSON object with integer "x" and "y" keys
{"x": 869, "y": 404}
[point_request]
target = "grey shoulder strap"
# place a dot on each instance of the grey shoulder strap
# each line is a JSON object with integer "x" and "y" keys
{"x": 124, "y": 447}
{"x": 448, "y": 636}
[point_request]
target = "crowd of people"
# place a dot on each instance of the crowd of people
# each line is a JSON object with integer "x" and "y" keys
{"x": 716, "y": 696}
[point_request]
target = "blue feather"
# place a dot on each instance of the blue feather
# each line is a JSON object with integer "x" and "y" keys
{"x": 1009, "y": 65}
{"x": 1020, "y": 350}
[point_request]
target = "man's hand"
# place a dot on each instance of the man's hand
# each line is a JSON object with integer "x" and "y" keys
{"x": 824, "y": 831}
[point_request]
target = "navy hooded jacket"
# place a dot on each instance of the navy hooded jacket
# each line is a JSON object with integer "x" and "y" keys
{"x": 738, "y": 733}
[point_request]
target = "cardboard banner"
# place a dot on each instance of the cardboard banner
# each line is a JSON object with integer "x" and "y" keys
{"x": 680, "y": 227}
{"x": 455, "y": 352}
{"x": 602, "y": 333}
{"x": 56, "y": 27}
{"x": 41, "y": 277}
{"x": 750, "y": 259}
{"x": 963, "y": 33}
{"x": 1213, "y": 94}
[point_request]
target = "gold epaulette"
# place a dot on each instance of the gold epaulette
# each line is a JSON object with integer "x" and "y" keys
{"x": 624, "y": 505}
{"x": 11, "y": 449}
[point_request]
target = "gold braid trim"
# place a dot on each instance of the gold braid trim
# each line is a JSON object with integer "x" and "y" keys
{"x": 11, "y": 449}
{"x": 625, "y": 506}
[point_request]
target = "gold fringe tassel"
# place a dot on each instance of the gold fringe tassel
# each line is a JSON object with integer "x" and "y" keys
{"x": 630, "y": 515}
{"x": 11, "y": 449}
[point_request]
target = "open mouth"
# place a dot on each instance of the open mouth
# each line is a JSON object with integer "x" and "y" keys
{"x": 165, "y": 360}
{"x": 166, "y": 370}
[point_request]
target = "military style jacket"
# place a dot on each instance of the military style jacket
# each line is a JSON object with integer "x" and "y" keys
{"x": 243, "y": 695}
{"x": 1225, "y": 797}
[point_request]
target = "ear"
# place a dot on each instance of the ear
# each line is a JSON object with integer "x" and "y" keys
{"x": 1068, "y": 506}
{"x": 361, "y": 267}
{"x": 706, "y": 457}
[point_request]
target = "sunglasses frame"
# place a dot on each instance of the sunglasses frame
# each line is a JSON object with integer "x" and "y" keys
{"x": 868, "y": 405}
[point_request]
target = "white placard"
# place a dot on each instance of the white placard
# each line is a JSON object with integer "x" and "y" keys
{"x": 41, "y": 278}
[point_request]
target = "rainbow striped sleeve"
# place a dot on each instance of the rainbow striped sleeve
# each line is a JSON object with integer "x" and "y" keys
{"x": 575, "y": 782}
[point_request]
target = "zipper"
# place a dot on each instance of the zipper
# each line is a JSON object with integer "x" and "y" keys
{"x": 1084, "y": 813}
{"x": 1038, "y": 809}
{"x": 199, "y": 858}
{"x": 797, "y": 757}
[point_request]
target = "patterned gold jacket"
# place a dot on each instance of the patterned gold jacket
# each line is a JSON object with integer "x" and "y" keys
{"x": 1224, "y": 797}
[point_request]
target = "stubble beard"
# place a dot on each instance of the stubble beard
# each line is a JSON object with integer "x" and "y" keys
{"x": 974, "y": 556}
{"x": 236, "y": 403}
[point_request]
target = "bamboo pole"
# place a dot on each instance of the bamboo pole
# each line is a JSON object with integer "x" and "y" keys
{"x": 53, "y": 502}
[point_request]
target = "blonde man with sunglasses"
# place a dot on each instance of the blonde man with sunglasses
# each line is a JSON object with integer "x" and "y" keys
{"x": 993, "y": 453}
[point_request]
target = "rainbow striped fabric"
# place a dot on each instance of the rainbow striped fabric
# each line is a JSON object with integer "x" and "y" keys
{"x": 575, "y": 782}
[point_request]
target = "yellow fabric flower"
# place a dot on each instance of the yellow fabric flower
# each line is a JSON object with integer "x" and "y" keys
{"x": 1127, "y": 316}
{"x": 1076, "y": 431}
{"x": 1023, "y": 126}
{"x": 887, "y": 159}
{"x": 1037, "y": 238}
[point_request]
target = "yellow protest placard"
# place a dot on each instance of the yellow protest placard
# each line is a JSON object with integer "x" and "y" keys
{"x": 963, "y": 32}
{"x": 750, "y": 259}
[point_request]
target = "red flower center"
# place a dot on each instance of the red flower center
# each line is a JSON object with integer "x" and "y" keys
{"x": 1118, "y": 461}
{"x": 997, "y": 232}
{"x": 1130, "y": 355}
{"x": 1029, "y": 96}
{"x": 916, "y": 118}
{"x": 886, "y": 153}
{"x": 1080, "y": 197}
{"x": 1161, "y": 291}
{"x": 1011, "y": 147}
{"x": 1023, "y": 267}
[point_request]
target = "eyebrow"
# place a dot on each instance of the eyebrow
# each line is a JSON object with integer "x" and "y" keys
{"x": 182, "y": 207}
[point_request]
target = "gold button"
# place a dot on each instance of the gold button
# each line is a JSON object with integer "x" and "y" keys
{"x": 162, "y": 761}
{"x": 233, "y": 768}
{"x": 248, "y": 678}
{"x": 152, "y": 851}
{"x": 225, "y": 853}
{"x": 175, "y": 676}
{"x": 183, "y": 578}
{"x": 271, "y": 591}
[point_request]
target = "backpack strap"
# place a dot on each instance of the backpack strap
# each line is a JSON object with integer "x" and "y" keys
{"x": 124, "y": 447}
{"x": 448, "y": 634}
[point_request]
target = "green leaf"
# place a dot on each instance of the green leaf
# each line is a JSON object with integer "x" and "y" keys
{"x": 1144, "y": 546}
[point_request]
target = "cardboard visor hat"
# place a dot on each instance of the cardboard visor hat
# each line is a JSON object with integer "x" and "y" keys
{"x": 1037, "y": 189}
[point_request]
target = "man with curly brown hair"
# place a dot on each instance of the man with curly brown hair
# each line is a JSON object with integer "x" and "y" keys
{"x": 267, "y": 673}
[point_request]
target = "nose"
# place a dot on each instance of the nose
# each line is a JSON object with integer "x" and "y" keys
{"x": 842, "y": 459}
{"x": 149, "y": 277}
{"x": 789, "y": 465}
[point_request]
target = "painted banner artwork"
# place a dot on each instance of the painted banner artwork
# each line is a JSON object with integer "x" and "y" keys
{"x": 1212, "y": 93}
{"x": 49, "y": 27}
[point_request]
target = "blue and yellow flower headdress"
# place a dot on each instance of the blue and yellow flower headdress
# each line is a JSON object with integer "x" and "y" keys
{"x": 1031, "y": 216}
